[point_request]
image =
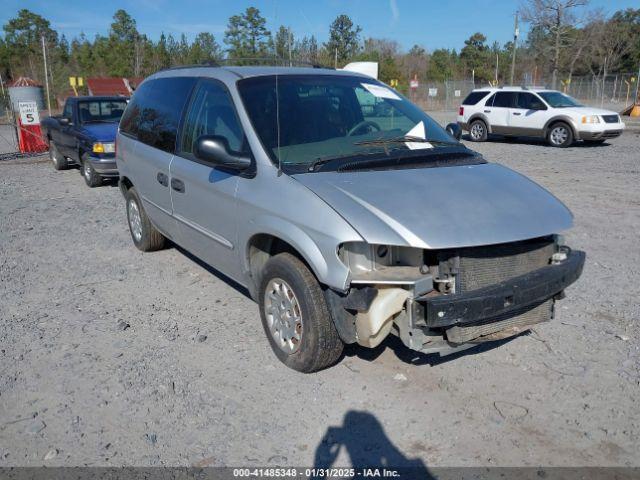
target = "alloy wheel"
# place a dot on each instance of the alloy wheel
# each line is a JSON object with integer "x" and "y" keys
{"x": 283, "y": 314}
{"x": 135, "y": 222}
{"x": 559, "y": 135}
{"x": 477, "y": 131}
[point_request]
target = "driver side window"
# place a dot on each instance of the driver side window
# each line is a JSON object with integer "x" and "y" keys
{"x": 212, "y": 113}
{"x": 67, "y": 111}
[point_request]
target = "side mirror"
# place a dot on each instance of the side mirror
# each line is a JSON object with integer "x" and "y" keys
{"x": 64, "y": 121}
{"x": 215, "y": 149}
{"x": 454, "y": 130}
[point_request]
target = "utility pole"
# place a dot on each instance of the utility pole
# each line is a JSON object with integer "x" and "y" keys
{"x": 289, "y": 41}
{"x": 496, "y": 69}
{"x": 46, "y": 75}
{"x": 336, "y": 59}
{"x": 513, "y": 54}
{"x": 635, "y": 101}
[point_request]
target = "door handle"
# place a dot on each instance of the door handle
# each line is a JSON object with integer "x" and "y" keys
{"x": 163, "y": 179}
{"x": 517, "y": 113}
{"x": 487, "y": 111}
{"x": 177, "y": 185}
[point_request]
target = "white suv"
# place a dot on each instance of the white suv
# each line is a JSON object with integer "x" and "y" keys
{"x": 536, "y": 112}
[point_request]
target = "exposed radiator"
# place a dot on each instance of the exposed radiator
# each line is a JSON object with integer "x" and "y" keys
{"x": 511, "y": 323}
{"x": 488, "y": 265}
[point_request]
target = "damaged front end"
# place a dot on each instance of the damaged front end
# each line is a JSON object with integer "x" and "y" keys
{"x": 440, "y": 301}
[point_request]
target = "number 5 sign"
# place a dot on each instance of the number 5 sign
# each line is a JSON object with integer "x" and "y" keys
{"x": 29, "y": 113}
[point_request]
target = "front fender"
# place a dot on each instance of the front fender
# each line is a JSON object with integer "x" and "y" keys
{"x": 562, "y": 118}
{"x": 319, "y": 251}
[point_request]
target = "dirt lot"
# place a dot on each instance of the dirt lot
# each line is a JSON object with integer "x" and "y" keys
{"x": 113, "y": 357}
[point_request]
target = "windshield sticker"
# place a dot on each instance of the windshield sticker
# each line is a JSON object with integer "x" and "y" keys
{"x": 380, "y": 91}
{"x": 417, "y": 131}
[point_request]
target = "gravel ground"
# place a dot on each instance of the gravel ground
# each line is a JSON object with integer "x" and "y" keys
{"x": 109, "y": 356}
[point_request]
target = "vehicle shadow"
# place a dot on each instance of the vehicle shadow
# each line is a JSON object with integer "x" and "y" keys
{"x": 368, "y": 446}
{"x": 221, "y": 276}
{"x": 534, "y": 141}
{"x": 412, "y": 357}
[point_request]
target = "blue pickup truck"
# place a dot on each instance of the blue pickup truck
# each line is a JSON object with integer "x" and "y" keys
{"x": 85, "y": 135}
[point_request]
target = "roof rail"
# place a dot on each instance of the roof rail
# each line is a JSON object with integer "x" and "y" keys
{"x": 242, "y": 61}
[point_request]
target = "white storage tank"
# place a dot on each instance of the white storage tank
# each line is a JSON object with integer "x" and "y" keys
{"x": 26, "y": 90}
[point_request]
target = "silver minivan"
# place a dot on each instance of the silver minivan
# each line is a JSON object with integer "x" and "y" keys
{"x": 346, "y": 211}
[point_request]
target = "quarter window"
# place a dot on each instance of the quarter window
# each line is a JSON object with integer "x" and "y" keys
{"x": 474, "y": 97}
{"x": 212, "y": 113}
{"x": 154, "y": 113}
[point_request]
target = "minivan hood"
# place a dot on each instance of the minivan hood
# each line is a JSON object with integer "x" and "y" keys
{"x": 443, "y": 207}
{"x": 100, "y": 132}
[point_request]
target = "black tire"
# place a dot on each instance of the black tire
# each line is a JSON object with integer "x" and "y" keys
{"x": 478, "y": 131}
{"x": 59, "y": 161}
{"x": 319, "y": 345}
{"x": 560, "y": 135}
{"x": 149, "y": 238}
{"x": 600, "y": 141}
{"x": 91, "y": 178}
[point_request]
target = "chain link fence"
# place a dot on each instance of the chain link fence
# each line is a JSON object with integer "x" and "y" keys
{"x": 614, "y": 92}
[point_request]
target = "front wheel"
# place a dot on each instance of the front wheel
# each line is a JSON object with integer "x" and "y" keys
{"x": 295, "y": 316}
{"x": 560, "y": 135}
{"x": 91, "y": 178}
{"x": 59, "y": 161}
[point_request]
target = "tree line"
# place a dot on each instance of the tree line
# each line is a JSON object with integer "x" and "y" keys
{"x": 566, "y": 38}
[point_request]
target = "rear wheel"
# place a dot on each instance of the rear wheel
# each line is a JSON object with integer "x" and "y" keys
{"x": 144, "y": 235}
{"x": 59, "y": 161}
{"x": 91, "y": 178}
{"x": 295, "y": 316}
{"x": 560, "y": 135}
{"x": 478, "y": 131}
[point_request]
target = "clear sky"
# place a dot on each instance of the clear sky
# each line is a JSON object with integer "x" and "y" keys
{"x": 430, "y": 23}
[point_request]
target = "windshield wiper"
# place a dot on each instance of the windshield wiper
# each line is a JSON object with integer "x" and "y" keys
{"x": 321, "y": 161}
{"x": 405, "y": 139}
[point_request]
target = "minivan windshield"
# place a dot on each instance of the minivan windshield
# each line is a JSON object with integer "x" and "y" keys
{"x": 306, "y": 119}
{"x": 559, "y": 100}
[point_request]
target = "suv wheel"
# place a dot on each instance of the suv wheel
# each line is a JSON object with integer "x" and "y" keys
{"x": 295, "y": 316}
{"x": 560, "y": 135}
{"x": 144, "y": 235}
{"x": 59, "y": 161}
{"x": 91, "y": 178}
{"x": 478, "y": 131}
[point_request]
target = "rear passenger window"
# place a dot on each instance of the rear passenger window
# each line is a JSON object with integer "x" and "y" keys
{"x": 474, "y": 97}
{"x": 212, "y": 113}
{"x": 505, "y": 99}
{"x": 154, "y": 113}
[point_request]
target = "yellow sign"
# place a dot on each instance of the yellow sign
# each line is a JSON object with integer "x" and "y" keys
{"x": 393, "y": 82}
{"x": 76, "y": 82}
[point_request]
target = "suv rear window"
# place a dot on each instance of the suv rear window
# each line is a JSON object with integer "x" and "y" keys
{"x": 474, "y": 97}
{"x": 153, "y": 115}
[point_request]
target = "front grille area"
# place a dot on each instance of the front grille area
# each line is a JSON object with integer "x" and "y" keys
{"x": 512, "y": 322}
{"x": 611, "y": 134}
{"x": 487, "y": 265}
{"x": 611, "y": 118}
